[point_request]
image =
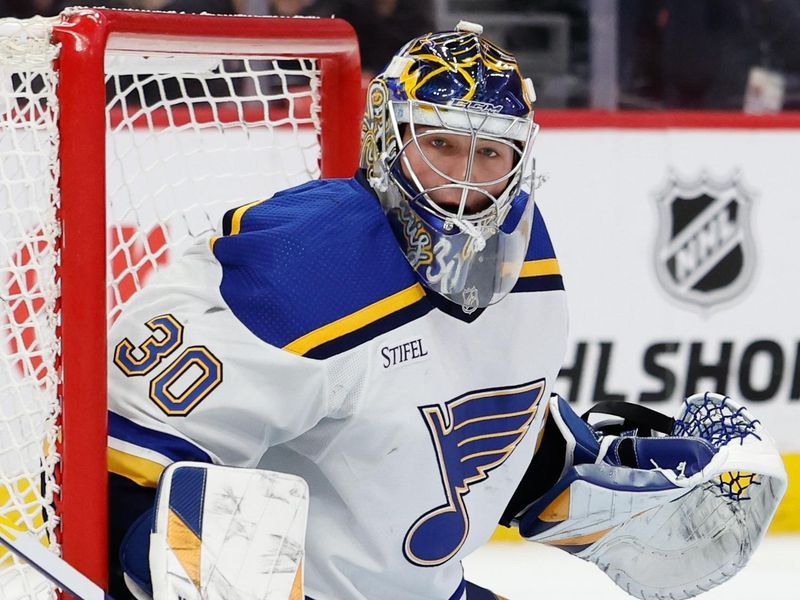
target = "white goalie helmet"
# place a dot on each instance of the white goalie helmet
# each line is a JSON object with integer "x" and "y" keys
{"x": 457, "y": 85}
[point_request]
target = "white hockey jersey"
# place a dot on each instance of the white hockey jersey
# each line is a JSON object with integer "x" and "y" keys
{"x": 301, "y": 341}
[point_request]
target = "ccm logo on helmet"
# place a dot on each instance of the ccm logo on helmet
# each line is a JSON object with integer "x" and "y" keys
{"x": 475, "y": 105}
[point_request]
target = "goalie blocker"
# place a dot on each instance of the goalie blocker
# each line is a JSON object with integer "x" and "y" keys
{"x": 218, "y": 533}
{"x": 667, "y": 508}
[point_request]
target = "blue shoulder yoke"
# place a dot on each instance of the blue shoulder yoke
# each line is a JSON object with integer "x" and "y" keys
{"x": 316, "y": 269}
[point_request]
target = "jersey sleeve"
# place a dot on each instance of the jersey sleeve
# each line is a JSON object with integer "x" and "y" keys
{"x": 188, "y": 381}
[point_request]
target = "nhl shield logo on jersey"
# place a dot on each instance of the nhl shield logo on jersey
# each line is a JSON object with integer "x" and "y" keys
{"x": 474, "y": 434}
{"x": 705, "y": 252}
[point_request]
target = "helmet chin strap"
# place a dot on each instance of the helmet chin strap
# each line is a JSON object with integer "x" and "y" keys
{"x": 476, "y": 233}
{"x": 479, "y": 232}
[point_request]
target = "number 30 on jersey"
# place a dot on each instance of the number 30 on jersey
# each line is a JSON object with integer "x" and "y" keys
{"x": 185, "y": 381}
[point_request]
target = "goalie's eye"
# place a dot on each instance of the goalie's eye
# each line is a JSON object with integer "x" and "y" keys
{"x": 496, "y": 151}
{"x": 438, "y": 142}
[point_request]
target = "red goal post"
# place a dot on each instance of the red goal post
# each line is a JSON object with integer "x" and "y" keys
{"x": 280, "y": 97}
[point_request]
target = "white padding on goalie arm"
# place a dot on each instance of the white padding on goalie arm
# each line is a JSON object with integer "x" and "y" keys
{"x": 223, "y": 533}
{"x": 669, "y": 532}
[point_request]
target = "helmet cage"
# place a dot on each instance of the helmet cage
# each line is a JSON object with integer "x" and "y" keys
{"x": 516, "y": 132}
{"x": 471, "y": 259}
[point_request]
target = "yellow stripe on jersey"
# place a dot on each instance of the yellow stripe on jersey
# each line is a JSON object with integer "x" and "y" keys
{"x": 538, "y": 268}
{"x": 236, "y": 221}
{"x": 238, "y": 214}
{"x": 360, "y": 318}
{"x": 141, "y": 471}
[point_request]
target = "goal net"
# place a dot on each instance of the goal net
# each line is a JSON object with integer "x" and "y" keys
{"x": 124, "y": 137}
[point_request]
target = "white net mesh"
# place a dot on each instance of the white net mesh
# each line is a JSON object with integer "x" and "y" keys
{"x": 183, "y": 150}
{"x": 188, "y": 137}
{"x": 29, "y": 292}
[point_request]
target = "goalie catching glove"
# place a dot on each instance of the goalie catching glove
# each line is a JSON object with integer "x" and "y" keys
{"x": 667, "y": 516}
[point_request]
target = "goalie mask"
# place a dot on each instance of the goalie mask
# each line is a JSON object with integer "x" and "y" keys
{"x": 446, "y": 145}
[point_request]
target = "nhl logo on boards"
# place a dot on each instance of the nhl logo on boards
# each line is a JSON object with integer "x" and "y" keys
{"x": 705, "y": 252}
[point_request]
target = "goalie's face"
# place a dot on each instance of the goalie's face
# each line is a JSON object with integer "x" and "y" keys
{"x": 447, "y": 147}
{"x": 461, "y": 174}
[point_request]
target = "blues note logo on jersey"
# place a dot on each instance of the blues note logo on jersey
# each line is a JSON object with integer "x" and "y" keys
{"x": 474, "y": 434}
